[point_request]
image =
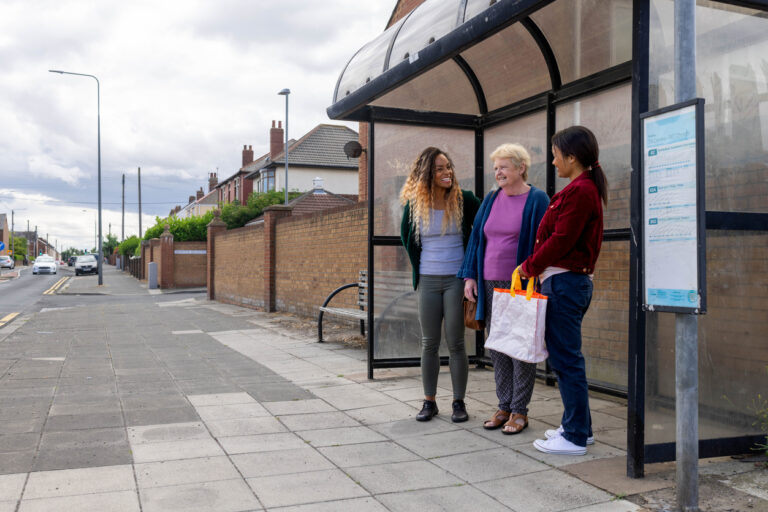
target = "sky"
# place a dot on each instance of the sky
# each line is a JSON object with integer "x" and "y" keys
{"x": 184, "y": 84}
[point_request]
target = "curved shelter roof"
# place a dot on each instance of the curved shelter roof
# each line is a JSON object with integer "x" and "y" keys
{"x": 469, "y": 57}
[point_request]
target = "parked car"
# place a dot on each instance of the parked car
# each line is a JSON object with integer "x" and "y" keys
{"x": 7, "y": 262}
{"x": 86, "y": 264}
{"x": 44, "y": 265}
{"x": 71, "y": 261}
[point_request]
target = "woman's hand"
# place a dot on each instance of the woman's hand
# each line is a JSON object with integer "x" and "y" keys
{"x": 522, "y": 273}
{"x": 470, "y": 290}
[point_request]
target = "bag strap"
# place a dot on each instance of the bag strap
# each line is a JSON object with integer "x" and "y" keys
{"x": 517, "y": 285}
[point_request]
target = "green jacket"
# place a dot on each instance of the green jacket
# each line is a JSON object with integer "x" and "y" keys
{"x": 471, "y": 205}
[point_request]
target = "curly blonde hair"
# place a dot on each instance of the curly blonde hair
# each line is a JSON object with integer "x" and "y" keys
{"x": 419, "y": 191}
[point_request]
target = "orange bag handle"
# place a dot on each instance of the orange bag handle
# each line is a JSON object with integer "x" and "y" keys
{"x": 517, "y": 285}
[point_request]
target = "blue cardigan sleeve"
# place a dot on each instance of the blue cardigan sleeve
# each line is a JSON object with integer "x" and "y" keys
{"x": 468, "y": 268}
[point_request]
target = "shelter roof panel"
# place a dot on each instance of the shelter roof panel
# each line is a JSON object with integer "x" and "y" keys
{"x": 427, "y": 23}
{"x": 509, "y": 66}
{"x": 587, "y": 36}
{"x": 444, "y": 88}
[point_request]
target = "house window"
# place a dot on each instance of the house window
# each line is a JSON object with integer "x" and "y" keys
{"x": 237, "y": 189}
{"x": 268, "y": 180}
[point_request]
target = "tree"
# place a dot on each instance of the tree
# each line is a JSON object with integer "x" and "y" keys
{"x": 187, "y": 229}
{"x": 19, "y": 248}
{"x": 236, "y": 215}
{"x": 108, "y": 245}
{"x": 129, "y": 246}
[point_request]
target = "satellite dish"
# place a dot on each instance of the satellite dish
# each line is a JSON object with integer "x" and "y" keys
{"x": 353, "y": 149}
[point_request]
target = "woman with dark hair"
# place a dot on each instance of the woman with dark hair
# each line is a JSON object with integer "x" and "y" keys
{"x": 564, "y": 256}
{"x": 437, "y": 221}
{"x": 502, "y": 237}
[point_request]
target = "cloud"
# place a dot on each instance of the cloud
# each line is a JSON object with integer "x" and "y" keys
{"x": 43, "y": 166}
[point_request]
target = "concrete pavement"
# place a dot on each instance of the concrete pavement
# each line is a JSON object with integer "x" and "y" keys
{"x": 172, "y": 402}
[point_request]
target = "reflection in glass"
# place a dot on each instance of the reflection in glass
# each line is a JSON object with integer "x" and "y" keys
{"x": 733, "y": 354}
{"x": 587, "y": 36}
{"x": 529, "y": 131}
{"x": 608, "y": 114}
{"x": 732, "y": 77}
{"x": 396, "y": 147}
{"x": 397, "y": 332}
{"x": 429, "y": 22}
{"x": 444, "y": 88}
{"x": 509, "y": 66}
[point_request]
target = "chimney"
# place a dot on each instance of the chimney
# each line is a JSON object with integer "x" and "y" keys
{"x": 191, "y": 199}
{"x": 200, "y": 193}
{"x": 275, "y": 140}
{"x": 213, "y": 180}
{"x": 247, "y": 155}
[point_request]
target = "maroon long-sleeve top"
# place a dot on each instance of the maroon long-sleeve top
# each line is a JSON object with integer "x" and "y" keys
{"x": 571, "y": 232}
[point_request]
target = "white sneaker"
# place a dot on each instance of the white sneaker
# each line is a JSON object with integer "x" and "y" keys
{"x": 559, "y": 431}
{"x": 559, "y": 445}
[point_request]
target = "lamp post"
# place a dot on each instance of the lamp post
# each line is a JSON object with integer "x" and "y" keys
{"x": 286, "y": 93}
{"x": 98, "y": 141}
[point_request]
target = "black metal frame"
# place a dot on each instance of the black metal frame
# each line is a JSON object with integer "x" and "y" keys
{"x": 356, "y": 107}
{"x": 701, "y": 232}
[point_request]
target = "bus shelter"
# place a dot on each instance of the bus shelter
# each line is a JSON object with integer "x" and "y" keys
{"x": 468, "y": 75}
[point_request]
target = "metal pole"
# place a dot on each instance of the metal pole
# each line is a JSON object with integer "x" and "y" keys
{"x": 98, "y": 132}
{"x": 122, "y": 229}
{"x": 286, "y": 149}
{"x": 139, "y": 202}
{"x": 13, "y": 252}
{"x": 686, "y": 325}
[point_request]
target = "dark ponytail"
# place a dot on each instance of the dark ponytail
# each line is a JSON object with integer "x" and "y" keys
{"x": 581, "y": 143}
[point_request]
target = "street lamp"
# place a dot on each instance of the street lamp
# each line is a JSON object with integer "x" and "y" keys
{"x": 286, "y": 92}
{"x": 98, "y": 139}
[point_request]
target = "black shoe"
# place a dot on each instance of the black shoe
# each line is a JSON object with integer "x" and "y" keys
{"x": 427, "y": 411}
{"x": 459, "y": 412}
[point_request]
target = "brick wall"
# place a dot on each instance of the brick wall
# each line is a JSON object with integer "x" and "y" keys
{"x": 316, "y": 254}
{"x": 189, "y": 269}
{"x": 239, "y": 266}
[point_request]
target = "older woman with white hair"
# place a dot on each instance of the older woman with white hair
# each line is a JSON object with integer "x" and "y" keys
{"x": 503, "y": 236}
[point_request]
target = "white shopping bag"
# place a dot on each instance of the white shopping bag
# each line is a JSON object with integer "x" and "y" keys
{"x": 518, "y": 322}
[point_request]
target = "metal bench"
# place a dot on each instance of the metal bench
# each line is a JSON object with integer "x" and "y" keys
{"x": 390, "y": 288}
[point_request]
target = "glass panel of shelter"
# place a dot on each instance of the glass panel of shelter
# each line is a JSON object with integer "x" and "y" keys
{"x": 395, "y": 149}
{"x": 366, "y": 64}
{"x": 587, "y": 36}
{"x": 609, "y": 115}
{"x": 445, "y": 88}
{"x": 396, "y": 332}
{"x": 733, "y": 354}
{"x": 509, "y": 66}
{"x": 426, "y": 24}
{"x": 732, "y": 77}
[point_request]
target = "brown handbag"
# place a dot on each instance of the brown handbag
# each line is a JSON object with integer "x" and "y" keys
{"x": 470, "y": 310}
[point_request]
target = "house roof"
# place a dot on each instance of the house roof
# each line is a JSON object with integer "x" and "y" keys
{"x": 322, "y": 146}
{"x": 313, "y": 201}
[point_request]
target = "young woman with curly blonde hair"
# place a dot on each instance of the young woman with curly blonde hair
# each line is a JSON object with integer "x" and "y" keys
{"x": 437, "y": 221}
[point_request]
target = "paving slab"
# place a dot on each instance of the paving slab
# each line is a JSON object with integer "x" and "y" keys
{"x": 281, "y": 462}
{"x": 122, "y": 501}
{"x": 367, "y": 454}
{"x": 447, "y": 443}
{"x": 402, "y": 476}
{"x": 546, "y": 491}
{"x": 489, "y": 464}
{"x": 136, "y": 417}
{"x": 286, "y": 408}
{"x": 444, "y": 498}
{"x": 220, "y": 399}
{"x": 11, "y": 486}
{"x": 408, "y": 428}
{"x": 339, "y": 436}
{"x": 232, "y": 411}
{"x": 175, "y": 450}
{"x": 219, "y": 496}
{"x": 169, "y": 432}
{"x": 72, "y": 482}
{"x": 261, "y": 443}
{"x": 318, "y": 420}
{"x": 610, "y": 474}
{"x": 186, "y": 471}
{"x": 245, "y": 426}
{"x": 352, "y": 505}
{"x": 316, "y": 486}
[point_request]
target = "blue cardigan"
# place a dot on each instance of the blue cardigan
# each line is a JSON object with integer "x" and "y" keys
{"x": 474, "y": 255}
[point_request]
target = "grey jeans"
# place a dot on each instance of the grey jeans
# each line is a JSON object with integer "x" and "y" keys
{"x": 440, "y": 301}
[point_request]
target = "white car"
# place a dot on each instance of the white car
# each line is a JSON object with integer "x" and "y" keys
{"x": 86, "y": 264}
{"x": 44, "y": 265}
{"x": 7, "y": 262}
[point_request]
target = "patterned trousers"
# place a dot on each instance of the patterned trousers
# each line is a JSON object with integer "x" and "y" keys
{"x": 514, "y": 379}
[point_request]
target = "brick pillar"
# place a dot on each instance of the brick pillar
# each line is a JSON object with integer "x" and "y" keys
{"x": 271, "y": 214}
{"x": 144, "y": 259}
{"x": 165, "y": 279}
{"x": 214, "y": 227}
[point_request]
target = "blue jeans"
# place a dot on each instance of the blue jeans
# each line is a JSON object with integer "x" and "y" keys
{"x": 569, "y": 295}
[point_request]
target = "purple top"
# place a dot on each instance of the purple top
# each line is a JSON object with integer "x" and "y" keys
{"x": 502, "y": 233}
